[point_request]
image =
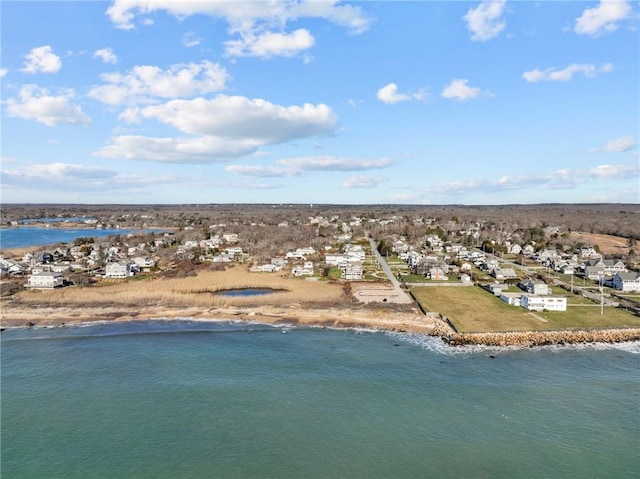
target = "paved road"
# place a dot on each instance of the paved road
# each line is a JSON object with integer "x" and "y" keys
{"x": 387, "y": 270}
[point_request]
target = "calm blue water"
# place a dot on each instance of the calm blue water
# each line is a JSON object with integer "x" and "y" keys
{"x": 246, "y": 292}
{"x": 33, "y": 236}
{"x": 189, "y": 399}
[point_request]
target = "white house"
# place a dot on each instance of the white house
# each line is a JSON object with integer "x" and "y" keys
{"x": 120, "y": 269}
{"x": 538, "y": 288}
{"x": 305, "y": 270}
{"x": 627, "y": 281}
{"x": 45, "y": 280}
{"x": 511, "y": 298}
{"x": 352, "y": 271}
{"x": 504, "y": 273}
{"x": 539, "y": 303}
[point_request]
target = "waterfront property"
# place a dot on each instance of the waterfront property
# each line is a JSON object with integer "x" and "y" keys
{"x": 541, "y": 303}
{"x": 45, "y": 280}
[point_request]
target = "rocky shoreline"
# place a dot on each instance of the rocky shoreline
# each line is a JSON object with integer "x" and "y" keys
{"x": 542, "y": 338}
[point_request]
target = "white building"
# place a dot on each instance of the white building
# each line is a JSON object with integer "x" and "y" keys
{"x": 539, "y": 303}
{"x": 627, "y": 281}
{"x": 120, "y": 269}
{"x": 45, "y": 280}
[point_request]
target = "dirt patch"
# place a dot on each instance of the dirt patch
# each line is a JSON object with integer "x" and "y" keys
{"x": 614, "y": 245}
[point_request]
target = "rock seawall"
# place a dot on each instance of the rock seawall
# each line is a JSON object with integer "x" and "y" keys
{"x": 540, "y": 338}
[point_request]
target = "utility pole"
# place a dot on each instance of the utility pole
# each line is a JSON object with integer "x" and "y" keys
{"x": 601, "y": 295}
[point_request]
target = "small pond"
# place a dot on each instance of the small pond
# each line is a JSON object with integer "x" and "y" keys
{"x": 248, "y": 292}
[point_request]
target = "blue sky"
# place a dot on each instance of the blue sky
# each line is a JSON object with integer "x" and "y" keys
{"x": 492, "y": 102}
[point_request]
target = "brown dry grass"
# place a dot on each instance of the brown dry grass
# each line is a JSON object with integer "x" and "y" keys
{"x": 194, "y": 291}
{"x": 615, "y": 245}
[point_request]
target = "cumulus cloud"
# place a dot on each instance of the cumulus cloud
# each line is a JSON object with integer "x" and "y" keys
{"x": 261, "y": 26}
{"x": 602, "y": 19}
{"x": 269, "y": 44}
{"x": 190, "y": 40}
{"x": 221, "y": 128}
{"x": 3, "y": 72}
{"x": 363, "y": 181}
{"x": 241, "y": 117}
{"x": 146, "y": 83}
{"x": 389, "y": 94}
{"x": 106, "y": 55}
{"x": 288, "y": 167}
{"x": 34, "y": 103}
{"x": 485, "y": 21}
{"x": 622, "y": 144}
{"x": 567, "y": 73}
{"x": 42, "y": 60}
{"x": 460, "y": 90}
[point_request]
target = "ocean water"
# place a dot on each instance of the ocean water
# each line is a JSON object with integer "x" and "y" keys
{"x": 36, "y": 236}
{"x": 226, "y": 400}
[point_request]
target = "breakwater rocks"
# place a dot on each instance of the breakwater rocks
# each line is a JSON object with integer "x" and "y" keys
{"x": 541, "y": 338}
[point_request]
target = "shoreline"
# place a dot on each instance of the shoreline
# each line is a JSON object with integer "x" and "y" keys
{"x": 335, "y": 318}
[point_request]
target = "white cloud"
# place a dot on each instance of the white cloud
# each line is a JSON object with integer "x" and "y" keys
{"x": 67, "y": 177}
{"x": 224, "y": 127}
{"x": 389, "y": 94}
{"x": 261, "y": 26}
{"x": 260, "y": 171}
{"x": 624, "y": 143}
{"x": 565, "y": 178}
{"x": 145, "y": 83}
{"x": 460, "y": 90}
{"x": 363, "y": 181}
{"x": 190, "y": 40}
{"x": 289, "y": 167}
{"x": 485, "y": 21}
{"x": 3, "y": 72}
{"x": 42, "y": 60}
{"x": 237, "y": 117}
{"x": 106, "y": 55}
{"x": 603, "y": 19}
{"x": 245, "y": 14}
{"x": 34, "y": 103}
{"x": 268, "y": 44}
{"x": 201, "y": 149}
{"x": 567, "y": 73}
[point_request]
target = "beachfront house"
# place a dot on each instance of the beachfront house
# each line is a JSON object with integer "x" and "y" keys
{"x": 45, "y": 280}
{"x": 540, "y": 303}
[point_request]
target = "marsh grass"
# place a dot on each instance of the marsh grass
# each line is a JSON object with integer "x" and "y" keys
{"x": 192, "y": 291}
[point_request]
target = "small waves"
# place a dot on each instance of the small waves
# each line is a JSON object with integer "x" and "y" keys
{"x": 437, "y": 345}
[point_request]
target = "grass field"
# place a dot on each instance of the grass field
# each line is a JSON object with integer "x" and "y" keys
{"x": 475, "y": 310}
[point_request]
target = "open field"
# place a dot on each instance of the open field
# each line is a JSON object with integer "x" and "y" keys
{"x": 608, "y": 244}
{"x": 475, "y": 310}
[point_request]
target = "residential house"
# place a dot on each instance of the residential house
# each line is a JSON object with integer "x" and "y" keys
{"x": 305, "y": 270}
{"x": 504, "y": 273}
{"x": 539, "y": 288}
{"x": 627, "y": 282}
{"x": 118, "y": 269}
{"x": 352, "y": 271}
{"x": 45, "y": 280}
{"x": 511, "y": 298}
{"x": 540, "y": 303}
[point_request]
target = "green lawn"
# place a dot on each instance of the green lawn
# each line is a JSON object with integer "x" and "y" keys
{"x": 475, "y": 310}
